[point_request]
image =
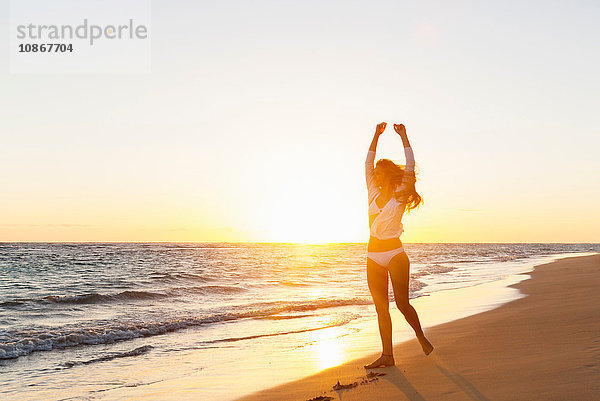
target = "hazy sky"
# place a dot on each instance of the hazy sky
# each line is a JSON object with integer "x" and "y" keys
{"x": 255, "y": 122}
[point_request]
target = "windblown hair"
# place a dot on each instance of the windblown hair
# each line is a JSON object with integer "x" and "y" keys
{"x": 408, "y": 193}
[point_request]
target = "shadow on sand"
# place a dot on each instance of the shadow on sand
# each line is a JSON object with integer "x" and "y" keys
{"x": 395, "y": 376}
{"x": 463, "y": 384}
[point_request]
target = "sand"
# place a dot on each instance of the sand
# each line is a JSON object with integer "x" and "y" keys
{"x": 545, "y": 346}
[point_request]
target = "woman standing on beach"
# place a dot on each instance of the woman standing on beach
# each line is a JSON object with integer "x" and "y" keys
{"x": 391, "y": 191}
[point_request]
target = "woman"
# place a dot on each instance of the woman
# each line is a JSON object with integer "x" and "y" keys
{"x": 391, "y": 192}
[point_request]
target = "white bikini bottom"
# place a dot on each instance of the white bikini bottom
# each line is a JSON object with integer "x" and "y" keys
{"x": 384, "y": 258}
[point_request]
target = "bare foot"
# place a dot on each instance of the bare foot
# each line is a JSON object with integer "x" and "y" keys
{"x": 384, "y": 360}
{"x": 426, "y": 345}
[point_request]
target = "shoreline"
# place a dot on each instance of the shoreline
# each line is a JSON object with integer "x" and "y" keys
{"x": 543, "y": 345}
{"x": 257, "y": 369}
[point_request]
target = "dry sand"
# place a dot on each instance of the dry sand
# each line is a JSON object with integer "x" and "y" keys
{"x": 545, "y": 346}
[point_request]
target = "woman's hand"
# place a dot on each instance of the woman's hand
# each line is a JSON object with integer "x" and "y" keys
{"x": 400, "y": 129}
{"x": 378, "y": 131}
{"x": 380, "y": 128}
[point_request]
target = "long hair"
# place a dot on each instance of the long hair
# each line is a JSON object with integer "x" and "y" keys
{"x": 408, "y": 193}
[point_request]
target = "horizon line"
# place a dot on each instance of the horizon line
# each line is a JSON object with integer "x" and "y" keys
{"x": 271, "y": 242}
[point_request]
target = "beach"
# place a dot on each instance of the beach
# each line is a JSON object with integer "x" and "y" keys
{"x": 544, "y": 346}
{"x": 279, "y": 321}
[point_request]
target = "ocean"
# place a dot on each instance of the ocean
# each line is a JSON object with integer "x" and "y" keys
{"x": 82, "y": 321}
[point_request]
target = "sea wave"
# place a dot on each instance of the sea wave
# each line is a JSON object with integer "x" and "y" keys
{"x": 177, "y": 276}
{"x": 432, "y": 269}
{"x": 124, "y": 296}
{"x": 16, "y": 344}
{"x": 113, "y": 355}
{"x": 209, "y": 289}
{"x": 94, "y": 297}
{"x": 13, "y": 302}
{"x": 340, "y": 321}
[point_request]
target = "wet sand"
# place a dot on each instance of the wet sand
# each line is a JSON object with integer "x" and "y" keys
{"x": 545, "y": 346}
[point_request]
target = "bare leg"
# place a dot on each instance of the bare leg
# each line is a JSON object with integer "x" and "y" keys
{"x": 399, "y": 269}
{"x": 377, "y": 278}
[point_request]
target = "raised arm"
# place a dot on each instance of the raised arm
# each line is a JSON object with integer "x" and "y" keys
{"x": 369, "y": 162}
{"x": 409, "y": 171}
{"x": 410, "y": 158}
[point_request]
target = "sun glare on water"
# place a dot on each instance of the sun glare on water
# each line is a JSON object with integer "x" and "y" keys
{"x": 328, "y": 347}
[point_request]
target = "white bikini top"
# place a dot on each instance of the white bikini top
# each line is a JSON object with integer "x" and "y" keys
{"x": 374, "y": 209}
{"x": 388, "y": 223}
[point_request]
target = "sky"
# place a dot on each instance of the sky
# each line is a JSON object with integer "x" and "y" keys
{"x": 255, "y": 120}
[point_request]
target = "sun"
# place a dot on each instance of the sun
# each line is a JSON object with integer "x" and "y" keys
{"x": 311, "y": 227}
